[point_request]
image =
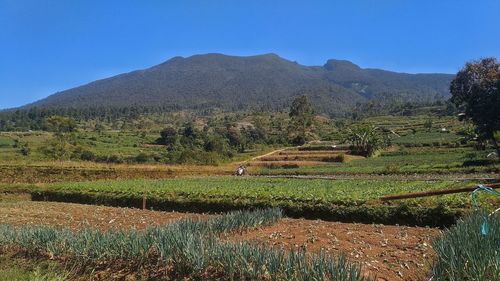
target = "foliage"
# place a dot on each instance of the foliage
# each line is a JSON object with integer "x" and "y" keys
{"x": 60, "y": 125}
{"x": 365, "y": 139}
{"x": 24, "y": 149}
{"x": 476, "y": 89}
{"x": 345, "y": 200}
{"x": 428, "y": 124}
{"x": 301, "y": 114}
{"x": 39, "y": 274}
{"x": 58, "y": 148}
{"x": 211, "y": 145}
{"x": 193, "y": 245}
{"x": 258, "y": 82}
{"x": 463, "y": 253}
{"x": 416, "y": 158}
{"x": 168, "y": 137}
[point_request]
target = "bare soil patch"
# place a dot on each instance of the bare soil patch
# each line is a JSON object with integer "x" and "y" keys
{"x": 77, "y": 216}
{"x": 391, "y": 252}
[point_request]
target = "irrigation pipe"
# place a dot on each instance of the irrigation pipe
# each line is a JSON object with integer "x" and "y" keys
{"x": 484, "y": 227}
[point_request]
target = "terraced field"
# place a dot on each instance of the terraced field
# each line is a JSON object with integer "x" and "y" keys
{"x": 404, "y": 161}
{"x": 310, "y": 155}
{"x": 344, "y": 200}
{"x": 324, "y": 221}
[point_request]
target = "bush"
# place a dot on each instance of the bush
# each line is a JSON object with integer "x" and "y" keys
{"x": 87, "y": 155}
{"x": 25, "y": 149}
{"x": 113, "y": 158}
{"x": 340, "y": 158}
{"x": 142, "y": 158}
{"x": 82, "y": 154}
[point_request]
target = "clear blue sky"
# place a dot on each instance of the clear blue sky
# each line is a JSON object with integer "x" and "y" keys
{"x": 48, "y": 46}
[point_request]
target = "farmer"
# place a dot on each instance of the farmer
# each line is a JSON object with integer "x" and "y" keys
{"x": 241, "y": 170}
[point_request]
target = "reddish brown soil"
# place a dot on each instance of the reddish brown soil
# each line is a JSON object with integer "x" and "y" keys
{"x": 77, "y": 216}
{"x": 391, "y": 252}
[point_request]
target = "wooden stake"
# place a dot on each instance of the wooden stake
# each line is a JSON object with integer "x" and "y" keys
{"x": 435, "y": 192}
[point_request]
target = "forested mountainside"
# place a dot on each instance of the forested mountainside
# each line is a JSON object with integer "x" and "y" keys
{"x": 235, "y": 83}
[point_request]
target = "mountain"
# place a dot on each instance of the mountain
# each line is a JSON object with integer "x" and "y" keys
{"x": 237, "y": 83}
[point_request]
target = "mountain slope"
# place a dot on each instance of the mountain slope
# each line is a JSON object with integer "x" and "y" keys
{"x": 235, "y": 83}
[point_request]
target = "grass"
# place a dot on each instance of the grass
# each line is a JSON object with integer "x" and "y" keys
{"x": 125, "y": 144}
{"x": 345, "y": 200}
{"x": 16, "y": 269}
{"x": 62, "y": 171}
{"x": 428, "y": 138}
{"x": 191, "y": 246}
{"x": 18, "y": 274}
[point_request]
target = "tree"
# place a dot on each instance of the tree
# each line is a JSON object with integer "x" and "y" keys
{"x": 168, "y": 137}
{"x": 59, "y": 147}
{"x": 235, "y": 138}
{"x": 476, "y": 90}
{"x": 190, "y": 136}
{"x": 302, "y": 115}
{"x": 24, "y": 149}
{"x": 60, "y": 125}
{"x": 428, "y": 125}
{"x": 364, "y": 139}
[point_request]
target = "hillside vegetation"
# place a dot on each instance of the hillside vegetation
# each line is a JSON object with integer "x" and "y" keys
{"x": 238, "y": 83}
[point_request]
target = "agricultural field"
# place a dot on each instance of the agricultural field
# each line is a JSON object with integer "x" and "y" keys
{"x": 299, "y": 211}
{"x": 115, "y": 147}
{"x": 249, "y": 152}
{"x": 406, "y": 125}
{"x": 103, "y": 243}
{"x": 193, "y": 246}
{"x": 77, "y": 216}
{"x": 345, "y": 200}
{"x": 47, "y": 172}
{"x": 392, "y": 252}
{"x": 403, "y": 161}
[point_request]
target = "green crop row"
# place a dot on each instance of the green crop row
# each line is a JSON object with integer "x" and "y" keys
{"x": 191, "y": 247}
{"x": 412, "y": 160}
{"x": 464, "y": 253}
{"x": 342, "y": 200}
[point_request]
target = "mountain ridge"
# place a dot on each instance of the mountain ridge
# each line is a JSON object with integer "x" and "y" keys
{"x": 239, "y": 82}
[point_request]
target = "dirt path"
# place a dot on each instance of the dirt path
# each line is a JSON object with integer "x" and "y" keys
{"x": 77, "y": 216}
{"x": 392, "y": 252}
{"x": 267, "y": 154}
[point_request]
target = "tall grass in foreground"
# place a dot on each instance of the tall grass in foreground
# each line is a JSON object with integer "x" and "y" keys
{"x": 193, "y": 247}
{"x": 463, "y": 253}
{"x": 17, "y": 274}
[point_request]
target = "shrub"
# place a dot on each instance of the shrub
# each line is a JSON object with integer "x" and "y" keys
{"x": 142, "y": 158}
{"x": 113, "y": 158}
{"x": 25, "y": 149}
{"x": 340, "y": 158}
{"x": 87, "y": 155}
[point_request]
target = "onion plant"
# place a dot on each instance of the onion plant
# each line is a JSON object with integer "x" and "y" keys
{"x": 464, "y": 253}
{"x": 193, "y": 246}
